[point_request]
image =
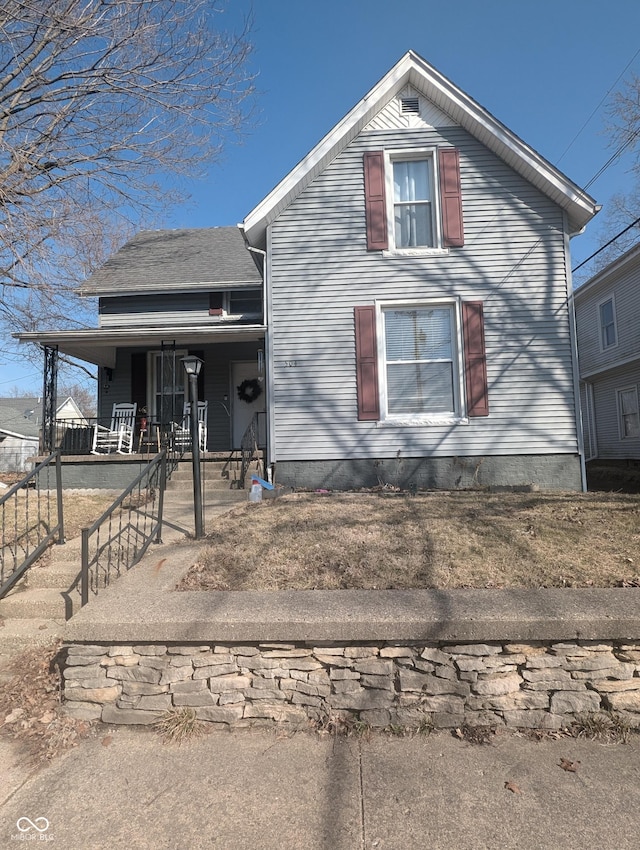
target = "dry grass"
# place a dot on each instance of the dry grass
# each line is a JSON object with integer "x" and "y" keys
{"x": 33, "y": 514}
{"x": 432, "y": 540}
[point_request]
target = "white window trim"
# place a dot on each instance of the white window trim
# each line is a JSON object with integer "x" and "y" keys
{"x": 421, "y": 420}
{"x": 601, "y": 344}
{"x": 634, "y": 389}
{"x": 411, "y": 155}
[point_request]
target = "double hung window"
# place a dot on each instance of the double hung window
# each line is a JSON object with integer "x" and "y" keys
{"x": 413, "y": 207}
{"x": 628, "y": 412}
{"x": 420, "y": 360}
{"x": 608, "y": 334}
{"x": 413, "y": 200}
{"x": 421, "y": 363}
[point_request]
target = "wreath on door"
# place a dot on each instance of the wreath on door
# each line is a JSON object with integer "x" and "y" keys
{"x": 249, "y": 390}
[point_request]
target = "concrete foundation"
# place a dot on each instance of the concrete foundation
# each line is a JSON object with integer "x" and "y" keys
{"x": 544, "y": 472}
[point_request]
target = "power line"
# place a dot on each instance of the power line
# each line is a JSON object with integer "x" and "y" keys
{"x": 606, "y": 245}
{"x": 602, "y": 100}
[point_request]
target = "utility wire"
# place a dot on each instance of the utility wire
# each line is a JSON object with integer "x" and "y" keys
{"x": 606, "y": 245}
{"x": 602, "y": 100}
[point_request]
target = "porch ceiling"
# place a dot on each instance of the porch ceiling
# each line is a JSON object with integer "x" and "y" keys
{"x": 99, "y": 347}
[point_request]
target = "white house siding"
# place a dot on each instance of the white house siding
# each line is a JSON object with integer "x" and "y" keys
{"x": 611, "y": 445}
{"x": 513, "y": 260}
{"x": 625, "y": 287}
{"x": 15, "y": 451}
{"x": 617, "y": 367}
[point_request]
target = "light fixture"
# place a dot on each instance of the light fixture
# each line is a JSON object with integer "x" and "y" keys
{"x": 192, "y": 364}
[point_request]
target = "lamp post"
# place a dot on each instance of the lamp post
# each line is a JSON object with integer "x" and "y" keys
{"x": 192, "y": 366}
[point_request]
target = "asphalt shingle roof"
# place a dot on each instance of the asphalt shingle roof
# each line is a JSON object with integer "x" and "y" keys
{"x": 21, "y": 416}
{"x": 176, "y": 259}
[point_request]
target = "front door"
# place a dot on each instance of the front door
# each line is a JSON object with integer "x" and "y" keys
{"x": 242, "y": 411}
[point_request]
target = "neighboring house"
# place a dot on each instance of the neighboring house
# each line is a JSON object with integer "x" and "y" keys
{"x": 21, "y": 426}
{"x": 608, "y": 326}
{"x": 407, "y": 288}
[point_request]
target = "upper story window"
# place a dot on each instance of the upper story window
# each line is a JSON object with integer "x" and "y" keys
{"x": 236, "y": 304}
{"x": 245, "y": 302}
{"x": 608, "y": 331}
{"x": 413, "y": 206}
{"x": 413, "y": 201}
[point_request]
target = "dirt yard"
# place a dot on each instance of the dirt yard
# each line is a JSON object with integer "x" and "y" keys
{"x": 442, "y": 540}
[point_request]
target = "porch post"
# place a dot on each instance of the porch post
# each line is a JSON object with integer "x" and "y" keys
{"x": 49, "y": 398}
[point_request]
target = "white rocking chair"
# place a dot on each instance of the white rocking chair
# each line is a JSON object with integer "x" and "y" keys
{"x": 118, "y": 437}
{"x": 182, "y": 432}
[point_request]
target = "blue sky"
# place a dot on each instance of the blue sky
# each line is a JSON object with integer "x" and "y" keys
{"x": 540, "y": 67}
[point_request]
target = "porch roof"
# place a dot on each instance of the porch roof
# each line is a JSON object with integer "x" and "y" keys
{"x": 99, "y": 346}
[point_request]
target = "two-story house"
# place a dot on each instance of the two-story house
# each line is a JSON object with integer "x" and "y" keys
{"x": 399, "y": 305}
{"x": 607, "y": 311}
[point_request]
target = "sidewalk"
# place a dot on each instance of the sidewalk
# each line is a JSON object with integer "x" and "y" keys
{"x": 253, "y": 789}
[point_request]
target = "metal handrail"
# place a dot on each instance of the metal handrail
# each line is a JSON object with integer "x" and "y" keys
{"x": 249, "y": 447}
{"x": 21, "y": 541}
{"x": 125, "y": 546}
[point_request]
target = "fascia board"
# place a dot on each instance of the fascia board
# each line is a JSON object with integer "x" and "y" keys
{"x": 497, "y": 137}
{"x": 462, "y": 109}
{"x": 325, "y": 151}
{"x": 154, "y": 289}
{"x": 18, "y": 436}
{"x": 99, "y": 347}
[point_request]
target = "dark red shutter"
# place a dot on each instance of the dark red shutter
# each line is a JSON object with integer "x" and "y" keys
{"x": 367, "y": 364}
{"x": 375, "y": 201}
{"x": 475, "y": 359}
{"x": 450, "y": 198}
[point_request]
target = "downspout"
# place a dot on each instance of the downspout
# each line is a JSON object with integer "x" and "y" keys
{"x": 574, "y": 353}
{"x": 268, "y": 354}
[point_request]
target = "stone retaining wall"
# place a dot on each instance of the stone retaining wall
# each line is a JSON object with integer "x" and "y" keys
{"x": 532, "y": 685}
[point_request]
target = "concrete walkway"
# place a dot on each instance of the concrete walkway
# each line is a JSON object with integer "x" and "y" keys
{"x": 35, "y": 611}
{"x": 253, "y": 789}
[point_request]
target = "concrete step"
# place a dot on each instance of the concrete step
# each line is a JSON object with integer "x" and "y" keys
{"x": 24, "y": 603}
{"x": 56, "y": 576}
{"x": 18, "y": 634}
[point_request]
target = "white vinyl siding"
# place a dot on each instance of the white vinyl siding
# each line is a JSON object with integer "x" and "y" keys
{"x": 628, "y": 414}
{"x": 624, "y": 290}
{"x": 513, "y": 260}
{"x": 606, "y": 416}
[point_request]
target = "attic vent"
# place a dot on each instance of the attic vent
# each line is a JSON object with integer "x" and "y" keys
{"x": 410, "y": 105}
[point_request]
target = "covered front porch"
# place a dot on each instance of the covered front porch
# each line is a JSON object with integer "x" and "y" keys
{"x": 144, "y": 369}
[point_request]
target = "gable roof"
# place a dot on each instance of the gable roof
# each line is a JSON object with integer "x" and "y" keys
{"x": 22, "y": 417}
{"x": 176, "y": 260}
{"x": 462, "y": 109}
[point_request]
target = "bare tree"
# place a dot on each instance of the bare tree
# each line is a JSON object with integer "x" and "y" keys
{"x": 619, "y": 217}
{"x": 104, "y": 106}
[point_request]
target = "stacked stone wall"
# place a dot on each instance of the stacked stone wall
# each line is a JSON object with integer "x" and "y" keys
{"x": 533, "y": 685}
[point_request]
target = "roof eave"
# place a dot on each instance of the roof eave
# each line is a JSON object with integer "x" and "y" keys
{"x": 580, "y": 206}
